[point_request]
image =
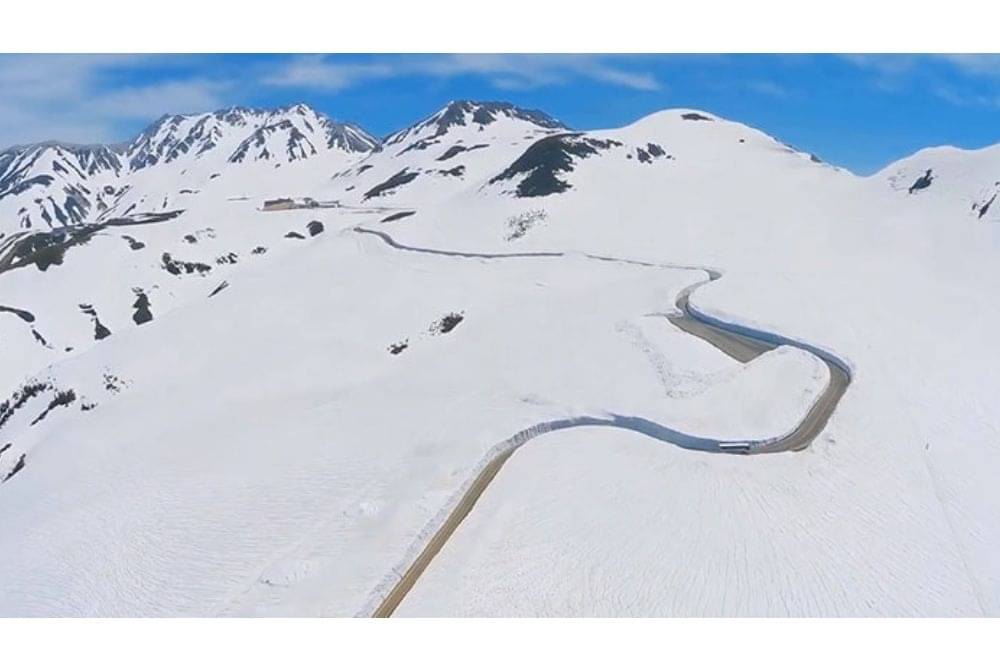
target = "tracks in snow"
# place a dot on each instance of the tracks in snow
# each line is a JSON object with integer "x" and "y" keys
{"x": 740, "y": 342}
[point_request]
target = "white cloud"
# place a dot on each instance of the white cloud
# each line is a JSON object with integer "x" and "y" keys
{"x": 963, "y": 80}
{"x": 101, "y": 98}
{"x": 151, "y": 101}
{"x": 86, "y": 99}
{"x": 766, "y": 88}
{"x": 975, "y": 64}
{"x": 502, "y": 71}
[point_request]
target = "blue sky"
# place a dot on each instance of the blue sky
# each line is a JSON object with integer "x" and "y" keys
{"x": 860, "y": 112}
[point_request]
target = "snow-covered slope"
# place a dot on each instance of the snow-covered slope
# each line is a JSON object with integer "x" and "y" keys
{"x": 963, "y": 183}
{"x": 232, "y": 410}
{"x": 51, "y": 185}
{"x": 455, "y": 149}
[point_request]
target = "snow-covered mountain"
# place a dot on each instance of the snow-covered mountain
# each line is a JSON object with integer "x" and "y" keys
{"x": 253, "y": 360}
{"x": 965, "y": 183}
{"x": 51, "y": 185}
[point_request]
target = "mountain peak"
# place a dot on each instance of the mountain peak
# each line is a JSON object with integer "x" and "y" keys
{"x": 471, "y": 113}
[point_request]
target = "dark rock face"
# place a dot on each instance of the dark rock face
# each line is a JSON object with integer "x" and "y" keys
{"x": 142, "y": 313}
{"x": 651, "y": 152}
{"x": 985, "y": 207}
{"x": 418, "y": 146}
{"x": 396, "y": 348}
{"x": 100, "y": 331}
{"x": 447, "y": 323}
{"x": 482, "y": 114}
{"x": 23, "y": 314}
{"x": 133, "y": 243}
{"x": 519, "y": 225}
{"x": 923, "y": 182}
{"x": 397, "y": 216}
{"x": 294, "y": 235}
{"x": 223, "y": 285}
{"x": 18, "y": 467}
{"x": 177, "y": 267}
{"x": 694, "y": 116}
{"x": 399, "y": 178}
{"x": 459, "y": 148}
{"x": 60, "y": 399}
{"x": 20, "y": 397}
{"x": 314, "y": 228}
{"x": 298, "y": 146}
{"x": 45, "y": 249}
{"x": 548, "y": 157}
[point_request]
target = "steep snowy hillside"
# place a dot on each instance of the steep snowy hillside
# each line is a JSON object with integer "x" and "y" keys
{"x": 497, "y": 366}
{"x": 964, "y": 184}
{"x": 51, "y": 186}
{"x": 455, "y": 149}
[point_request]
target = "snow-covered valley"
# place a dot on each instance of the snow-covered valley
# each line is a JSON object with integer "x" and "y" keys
{"x": 254, "y": 361}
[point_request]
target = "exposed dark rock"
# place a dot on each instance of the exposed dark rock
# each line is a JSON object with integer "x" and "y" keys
{"x": 23, "y": 314}
{"x": 546, "y": 158}
{"x": 100, "y": 331}
{"x": 177, "y": 267}
{"x": 190, "y": 238}
{"x": 16, "y": 469}
{"x": 694, "y": 116}
{"x": 454, "y": 171}
{"x": 45, "y": 249}
{"x": 112, "y": 383}
{"x": 447, "y": 323}
{"x": 483, "y": 114}
{"x": 142, "y": 313}
{"x": 418, "y": 146}
{"x": 399, "y": 178}
{"x": 656, "y": 150}
{"x": 223, "y": 285}
{"x": 39, "y": 337}
{"x": 133, "y": 243}
{"x": 294, "y": 235}
{"x": 314, "y": 228}
{"x": 923, "y": 182}
{"x": 259, "y": 250}
{"x": 397, "y": 216}
{"x": 61, "y": 398}
{"x": 396, "y": 348}
{"x": 459, "y": 148}
{"x": 20, "y": 397}
{"x": 228, "y": 258}
{"x": 519, "y": 225}
{"x": 986, "y": 207}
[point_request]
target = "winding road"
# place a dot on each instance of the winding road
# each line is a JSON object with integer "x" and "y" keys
{"x": 740, "y": 342}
